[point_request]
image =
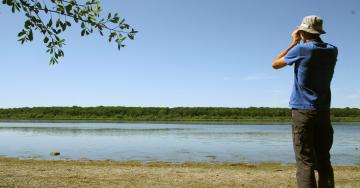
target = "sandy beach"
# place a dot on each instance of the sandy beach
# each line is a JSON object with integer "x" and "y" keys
{"x": 67, "y": 173}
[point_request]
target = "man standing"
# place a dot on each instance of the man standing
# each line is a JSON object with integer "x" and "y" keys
{"x": 314, "y": 62}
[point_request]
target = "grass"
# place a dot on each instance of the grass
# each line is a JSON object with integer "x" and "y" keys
{"x": 105, "y": 173}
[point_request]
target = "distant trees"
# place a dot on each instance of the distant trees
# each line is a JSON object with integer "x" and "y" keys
{"x": 209, "y": 114}
{"x": 51, "y": 18}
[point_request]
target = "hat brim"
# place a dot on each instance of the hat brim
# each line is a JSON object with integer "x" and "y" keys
{"x": 309, "y": 30}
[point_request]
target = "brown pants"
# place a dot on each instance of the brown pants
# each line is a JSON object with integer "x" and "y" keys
{"x": 312, "y": 139}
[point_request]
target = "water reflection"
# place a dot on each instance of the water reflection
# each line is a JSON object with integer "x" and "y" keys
{"x": 86, "y": 131}
{"x": 165, "y": 142}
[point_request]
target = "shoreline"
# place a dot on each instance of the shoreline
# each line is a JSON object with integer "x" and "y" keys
{"x": 106, "y": 173}
{"x": 171, "y": 122}
{"x": 165, "y": 163}
{"x": 151, "y": 122}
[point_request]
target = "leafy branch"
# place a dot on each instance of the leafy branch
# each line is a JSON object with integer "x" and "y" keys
{"x": 54, "y": 17}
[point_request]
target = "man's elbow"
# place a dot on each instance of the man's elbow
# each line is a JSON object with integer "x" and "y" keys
{"x": 275, "y": 65}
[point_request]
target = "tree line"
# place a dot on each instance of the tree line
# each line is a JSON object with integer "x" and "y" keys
{"x": 209, "y": 114}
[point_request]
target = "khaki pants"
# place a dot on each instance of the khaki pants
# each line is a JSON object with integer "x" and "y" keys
{"x": 312, "y": 139}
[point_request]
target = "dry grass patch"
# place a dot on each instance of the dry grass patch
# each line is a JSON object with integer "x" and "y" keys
{"x": 42, "y": 173}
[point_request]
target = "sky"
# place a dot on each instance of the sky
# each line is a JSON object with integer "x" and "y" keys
{"x": 213, "y": 53}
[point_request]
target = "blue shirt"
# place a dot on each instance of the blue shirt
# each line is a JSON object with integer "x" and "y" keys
{"x": 313, "y": 72}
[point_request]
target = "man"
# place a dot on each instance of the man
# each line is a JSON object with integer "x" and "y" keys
{"x": 314, "y": 62}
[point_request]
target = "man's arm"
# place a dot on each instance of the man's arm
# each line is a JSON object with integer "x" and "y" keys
{"x": 279, "y": 61}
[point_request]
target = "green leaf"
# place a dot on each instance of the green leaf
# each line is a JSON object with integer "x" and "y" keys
{"x": 27, "y": 24}
{"x": 111, "y": 36}
{"x": 83, "y": 32}
{"x": 49, "y": 24}
{"x": 46, "y": 39}
{"x": 82, "y": 25}
{"x": 58, "y": 22}
{"x": 115, "y": 20}
{"x": 8, "y": 2}
{"x": 38, "y": 5}
{"x": 124, "y": 26}
{"x": 30, "y": 35}
{"x": 22, "y": 40}
{"x": 131, "y": 36}
{"x": 68, "y": 8}
{"x": 21, "y": 33}
{"x": 63, "y": 26}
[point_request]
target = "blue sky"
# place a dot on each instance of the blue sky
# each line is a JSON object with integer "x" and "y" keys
{"x": 187, "y": 53}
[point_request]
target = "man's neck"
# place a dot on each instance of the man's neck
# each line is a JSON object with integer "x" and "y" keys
{"x": 314, "y": 40}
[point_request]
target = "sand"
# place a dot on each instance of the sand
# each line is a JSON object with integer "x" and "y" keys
{"x": 86, "y": 173}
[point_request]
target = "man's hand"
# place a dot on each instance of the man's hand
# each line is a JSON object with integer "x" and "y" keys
{"x": 296, "y": 36}
{"x": 279, "y": 61}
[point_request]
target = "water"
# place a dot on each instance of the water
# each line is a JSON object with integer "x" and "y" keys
{"x": 166, "y": 142}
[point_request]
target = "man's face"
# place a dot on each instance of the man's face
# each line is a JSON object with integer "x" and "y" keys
{"x": 302, "y": 36}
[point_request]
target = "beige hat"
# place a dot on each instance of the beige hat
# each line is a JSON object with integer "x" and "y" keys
{"x": 312, "y": 24}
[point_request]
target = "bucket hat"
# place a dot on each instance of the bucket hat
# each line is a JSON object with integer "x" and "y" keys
{"x": 312, "y": 24}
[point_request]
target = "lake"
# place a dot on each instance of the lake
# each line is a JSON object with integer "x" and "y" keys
{"x": 166, "y": 142}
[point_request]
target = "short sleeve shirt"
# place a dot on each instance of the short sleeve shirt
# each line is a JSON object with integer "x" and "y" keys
{"x": 314, "y": 65}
